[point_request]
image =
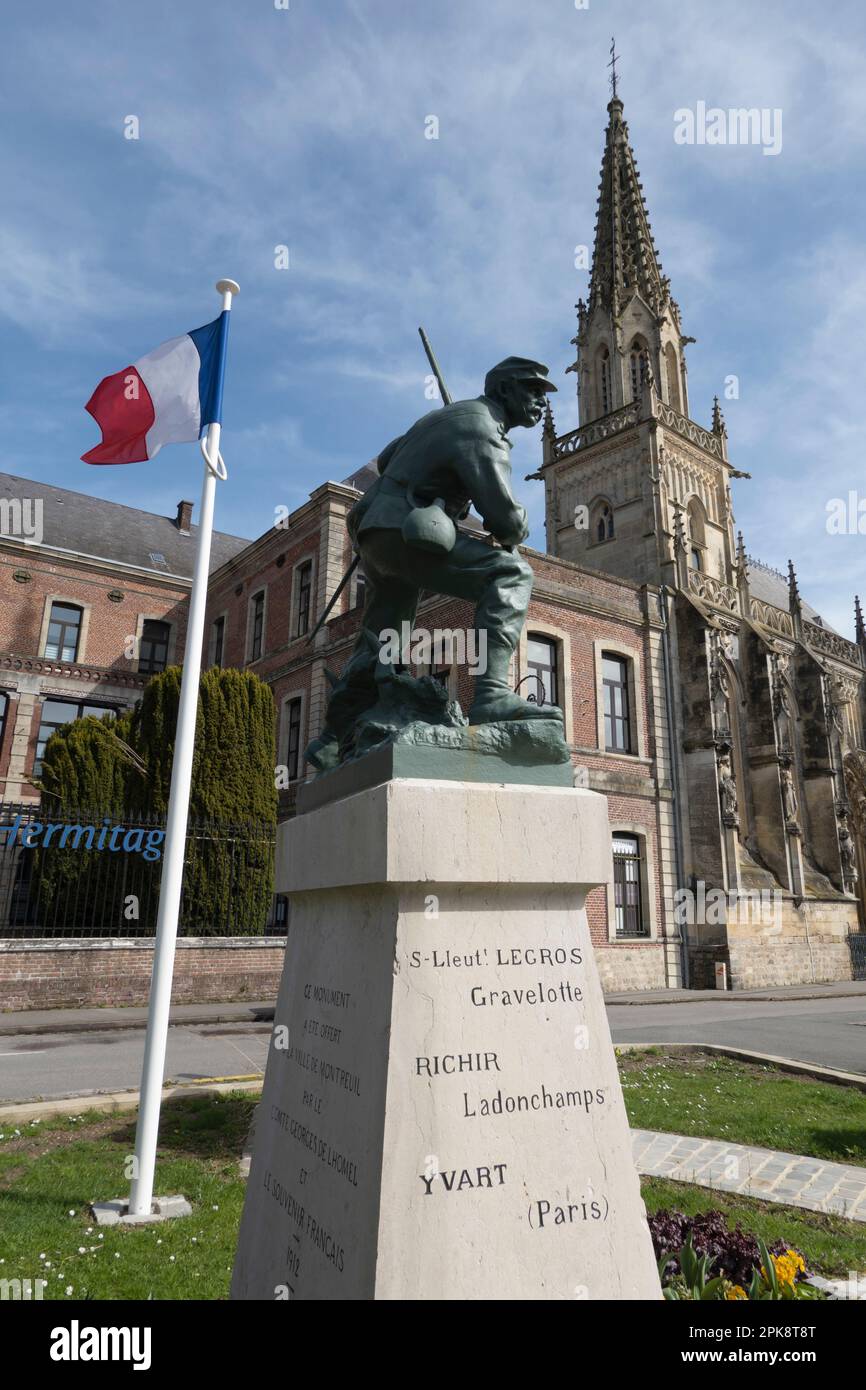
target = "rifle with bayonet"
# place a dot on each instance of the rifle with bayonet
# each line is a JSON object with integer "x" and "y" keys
{"x": 446, "y": 400}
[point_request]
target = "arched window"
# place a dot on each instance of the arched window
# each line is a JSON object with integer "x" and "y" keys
{"x": 601, "y": 526}
{"x": 64, "y": 632}
{"x": 629, "y": 912}
{"x": 605, "y": 396}
{"x": 696, "y": 515}
{"x": 153, "y": 647}
{"x": 695, "y": 558}
{"x": 637, "y": 363}
{"x": 618, "y": 729}
{"x": 541, "y": 664}
{"x": 673, "y": 375}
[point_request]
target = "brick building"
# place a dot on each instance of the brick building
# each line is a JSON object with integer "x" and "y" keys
{"x": 93, "y": 601}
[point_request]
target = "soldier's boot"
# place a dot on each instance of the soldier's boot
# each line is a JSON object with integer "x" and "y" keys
{"x": 495, "y": 702}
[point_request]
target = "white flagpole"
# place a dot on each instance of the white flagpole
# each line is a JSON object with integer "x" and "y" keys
{"x": 171, "y": 882}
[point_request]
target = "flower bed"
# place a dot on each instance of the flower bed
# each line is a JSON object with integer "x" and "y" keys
{"x": 702, "y": 1258}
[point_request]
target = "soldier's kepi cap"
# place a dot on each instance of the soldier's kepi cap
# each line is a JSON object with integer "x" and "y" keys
{"x": 517, "y": 369}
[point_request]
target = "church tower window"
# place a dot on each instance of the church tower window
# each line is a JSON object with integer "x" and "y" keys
{"x": 602, "y": 522}
{"x": 637, "y": 363}
{"x": 604, "y": 382}
{"x": 673, "y": 377}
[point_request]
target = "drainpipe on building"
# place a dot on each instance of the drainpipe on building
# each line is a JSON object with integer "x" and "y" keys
{"x": 664, "y": 593}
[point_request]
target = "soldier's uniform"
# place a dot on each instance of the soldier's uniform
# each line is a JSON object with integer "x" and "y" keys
{"x": 461, "y": 455}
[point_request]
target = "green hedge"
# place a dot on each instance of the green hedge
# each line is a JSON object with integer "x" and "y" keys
{"x": 121, "y": 767}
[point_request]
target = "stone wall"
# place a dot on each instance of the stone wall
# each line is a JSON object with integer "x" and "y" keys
{"x": 626, "y": 968}
{"x": 811, "y": 947}
{"x": 94, "y": 972}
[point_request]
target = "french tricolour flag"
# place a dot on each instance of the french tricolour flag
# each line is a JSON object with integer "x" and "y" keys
{"x": 168, "y": 397}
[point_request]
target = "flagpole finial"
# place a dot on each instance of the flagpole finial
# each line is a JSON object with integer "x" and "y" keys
{"x": 227, "y": 288}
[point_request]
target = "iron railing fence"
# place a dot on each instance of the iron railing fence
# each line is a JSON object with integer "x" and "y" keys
{"x": 89, "y": 882}
{"x": 857, "y": 947}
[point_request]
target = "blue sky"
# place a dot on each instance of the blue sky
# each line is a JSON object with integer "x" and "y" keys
{"x": 305, "y": 127}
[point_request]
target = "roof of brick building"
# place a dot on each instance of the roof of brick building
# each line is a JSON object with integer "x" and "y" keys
{"x": 111, "y": 531}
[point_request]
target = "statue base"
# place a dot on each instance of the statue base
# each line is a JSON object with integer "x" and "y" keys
{"x": 442, "y": 1116}
{"x": 527, "y": 752}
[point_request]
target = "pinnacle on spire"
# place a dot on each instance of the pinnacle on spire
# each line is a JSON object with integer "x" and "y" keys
{"x": 548, "y": 428}
{"x": 624, "y": 259}
{"x": 719, "y": 426}
{"x": 793, "y": 591}
{"x": 742, "y": 560}
{"x": 859, "y": 627}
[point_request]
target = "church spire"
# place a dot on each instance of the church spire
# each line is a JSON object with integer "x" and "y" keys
{"x": 859, "y": 627}
{"x": 628, "y": 331}
{"x": 625, "y": 259}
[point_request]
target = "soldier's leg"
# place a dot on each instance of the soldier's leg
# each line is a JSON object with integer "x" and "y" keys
{"x": 389, "y": 602}
{"x": 499, "y": 582}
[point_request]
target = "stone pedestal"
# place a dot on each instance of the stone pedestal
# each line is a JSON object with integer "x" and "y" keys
{"x": 442, "y": 1116}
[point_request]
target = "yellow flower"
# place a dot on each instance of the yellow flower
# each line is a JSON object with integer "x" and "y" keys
{"x": 787, "y": 1266}
{"x": 735, "y": 1291}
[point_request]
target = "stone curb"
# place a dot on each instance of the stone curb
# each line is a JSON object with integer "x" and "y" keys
{"x": 241, "y": 1013}
{"x": 734, "y": 996}
{"x": 740, "y": 1054}
{"x": 114, "y": 1101}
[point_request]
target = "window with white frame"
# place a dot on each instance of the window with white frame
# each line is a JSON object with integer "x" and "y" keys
{"x": 618, "y": 730}
{"x": 303, "y": 598}
{"x": 257, "y": 625}
{"x": 541, "y": 664}
{"x": 218, "y": 635}
{"x": 153, "y": 647}
{"x": 64, "y": 632}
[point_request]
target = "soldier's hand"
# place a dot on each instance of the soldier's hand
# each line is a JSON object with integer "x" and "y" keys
{"x": 521, "y": 528}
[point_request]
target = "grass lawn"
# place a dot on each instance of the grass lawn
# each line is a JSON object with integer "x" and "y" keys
{"x": 829, "y": 1245}
{"x": 716, "y": 1097}
{"x": 52, "y": 1170}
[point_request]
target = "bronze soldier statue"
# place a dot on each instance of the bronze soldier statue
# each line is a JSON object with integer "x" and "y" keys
{"x": 404, "y": 529}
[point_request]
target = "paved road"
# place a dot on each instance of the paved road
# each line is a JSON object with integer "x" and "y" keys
{"x": 72, "y": 1064}
{"x": 831, "y": 1032}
